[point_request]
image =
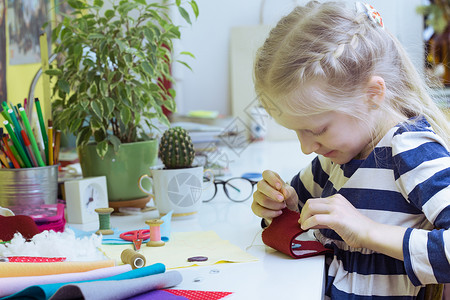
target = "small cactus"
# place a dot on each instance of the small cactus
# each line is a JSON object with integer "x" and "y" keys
{"x": 176, "y": 149}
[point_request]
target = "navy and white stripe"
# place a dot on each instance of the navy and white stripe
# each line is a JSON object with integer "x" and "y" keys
{"x": 403, "y": 182}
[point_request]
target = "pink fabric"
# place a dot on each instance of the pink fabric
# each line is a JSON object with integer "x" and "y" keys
{"x": 11, "y": 285}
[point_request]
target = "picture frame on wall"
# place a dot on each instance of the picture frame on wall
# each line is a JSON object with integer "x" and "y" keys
{"x": 3, "y": 92}
{"x": 26, "y": 20}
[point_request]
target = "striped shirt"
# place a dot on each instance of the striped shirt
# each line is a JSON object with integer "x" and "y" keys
{"x": 403, "y": 182}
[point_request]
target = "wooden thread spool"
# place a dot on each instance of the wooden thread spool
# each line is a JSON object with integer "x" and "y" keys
{"x": 155, "y": 233}
{"x": 133, "y": 258}
{"x": 104, "y": 220}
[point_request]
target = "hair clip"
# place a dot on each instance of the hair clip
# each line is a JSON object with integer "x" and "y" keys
{"x": 371, "y": 12}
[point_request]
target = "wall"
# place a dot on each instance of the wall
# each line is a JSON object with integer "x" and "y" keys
{"x": 208, "y": 85}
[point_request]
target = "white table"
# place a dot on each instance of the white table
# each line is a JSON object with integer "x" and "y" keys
{"x": 275, "y": 275}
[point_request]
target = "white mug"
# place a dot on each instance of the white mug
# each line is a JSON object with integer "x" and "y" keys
{"x": 176, "y": 189}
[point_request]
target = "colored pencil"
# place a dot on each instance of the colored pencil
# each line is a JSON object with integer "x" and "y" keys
{"x": 3, "y": 159}
{"x": 10, "y": 164}
{"x": 15, "y": 153}
{"x": 57, "y": 145}
{"x": 28, "y": 147}
{"x": 16, "y": 125}
{"x": 31, "y": 137}
{"x": 50, "y": 142}
{"x": 4, "y": 113}
{"x": 9, "y": 153}
{"x": 42, "y": 127}
{"x": 17, "y": 144}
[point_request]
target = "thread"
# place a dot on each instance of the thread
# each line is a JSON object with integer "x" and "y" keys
{"x": 155, "y": 233}
{"x": 133, "y": 258}
{"x": 254, "y": 239}
{"x": 104, "y": 220}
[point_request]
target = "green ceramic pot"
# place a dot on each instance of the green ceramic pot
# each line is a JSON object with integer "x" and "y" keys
{"x": 122, "y": 169}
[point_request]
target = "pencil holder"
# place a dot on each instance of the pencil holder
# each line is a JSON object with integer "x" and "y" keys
{"x": 29, "y": 186}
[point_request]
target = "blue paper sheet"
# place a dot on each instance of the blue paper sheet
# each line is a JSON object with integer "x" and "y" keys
{"x": 45, "y": 291}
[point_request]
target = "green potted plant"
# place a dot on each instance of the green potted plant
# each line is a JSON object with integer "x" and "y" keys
{"x": 178, "y": 186}
{"x": 109, "y": 86}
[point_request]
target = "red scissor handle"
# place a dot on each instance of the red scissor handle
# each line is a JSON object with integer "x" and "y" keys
{"x": 135, "y": 234}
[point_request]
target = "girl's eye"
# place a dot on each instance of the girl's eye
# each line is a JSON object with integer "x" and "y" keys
{"x": 320, "y": 132}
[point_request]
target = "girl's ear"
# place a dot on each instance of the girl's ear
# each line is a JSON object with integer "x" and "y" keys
{"x": 376, "y": 91}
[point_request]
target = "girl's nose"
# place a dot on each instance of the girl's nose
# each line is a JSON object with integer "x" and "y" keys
{"x": 308, "y": 143}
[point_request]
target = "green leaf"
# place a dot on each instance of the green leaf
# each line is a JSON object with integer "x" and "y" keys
{"x": 194, "y": 8}
{"x": 184, "y": 14}
{"x": 102, "y": 148}
{"x": 122, "y": 45}
{"x": 109, "y": 14}
{"x": 84, "y": 103}
{"x": 83, "y": 136}
{"x": 53, "y": 72}
{"x": 172, "y": 93}
{"x": 99, "y": 135}
{"x": 125, "y": 115}
{"x": 115, "y": 141}
{"x": 92, "y": 36}
{"x": 98, "y": 109}
{"x": 104, "y": 88}
{"x": 164, "y": 120}
{"x": 98, "y": 3}
{"x": 187, "y": 53}
{"x": 96, "y": 124}
{"x": 147, "y": 68}
{"x": 110, "y": 104}
{"x": 64, "y": 85}
{"x": 92, "y": 91}
{"x": 76, "y": 4}
{"x": 149, "y": 34}
{"x": 55, "y": 32}
{"x": 77, "y": 51}
{"x": 74, "y": 125}
{"x": 185, "y": 64}
{"x": 170, "y": 105}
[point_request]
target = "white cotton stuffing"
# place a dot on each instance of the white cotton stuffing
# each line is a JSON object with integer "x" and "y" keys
{"x": 55, "y": 244}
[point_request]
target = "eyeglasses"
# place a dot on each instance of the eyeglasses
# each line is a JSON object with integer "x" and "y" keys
{"x": 237, "y": 189}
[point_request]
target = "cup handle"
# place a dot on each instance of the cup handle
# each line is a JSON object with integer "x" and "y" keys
{"x": 148, "y": 192}
{"x": 208, "y": 173}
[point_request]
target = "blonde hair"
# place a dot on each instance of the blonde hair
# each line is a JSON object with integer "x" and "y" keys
{"x": 340, "y": 49}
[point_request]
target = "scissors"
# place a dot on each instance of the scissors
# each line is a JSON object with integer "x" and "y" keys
{"x": 136, "y": 237}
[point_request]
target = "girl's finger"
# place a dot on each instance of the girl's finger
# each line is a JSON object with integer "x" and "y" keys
{"x": 263, "y": 212}
{"x": 269, "y": 191}
{"x": 268, "y": 202}
{"x": 273, "y": 179}
{"x": 319, "y": 221}
{"x": 313, "y": 207}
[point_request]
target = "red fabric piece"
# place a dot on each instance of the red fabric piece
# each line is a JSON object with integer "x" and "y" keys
{"x": 200, "y": 295}
{"x": 35, "y": 259}
{"x": 13, "y": 224}
{"x": 282, "y": 233}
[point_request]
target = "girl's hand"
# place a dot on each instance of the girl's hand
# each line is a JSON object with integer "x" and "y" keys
{"x": 337, "y": 213}
{"x": 272, "y": 195}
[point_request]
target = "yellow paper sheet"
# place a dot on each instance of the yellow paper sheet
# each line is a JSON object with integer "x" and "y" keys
{"x": 182, "y": 245}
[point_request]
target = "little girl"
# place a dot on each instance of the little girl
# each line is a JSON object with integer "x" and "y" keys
{"x": 378, "y": 190}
